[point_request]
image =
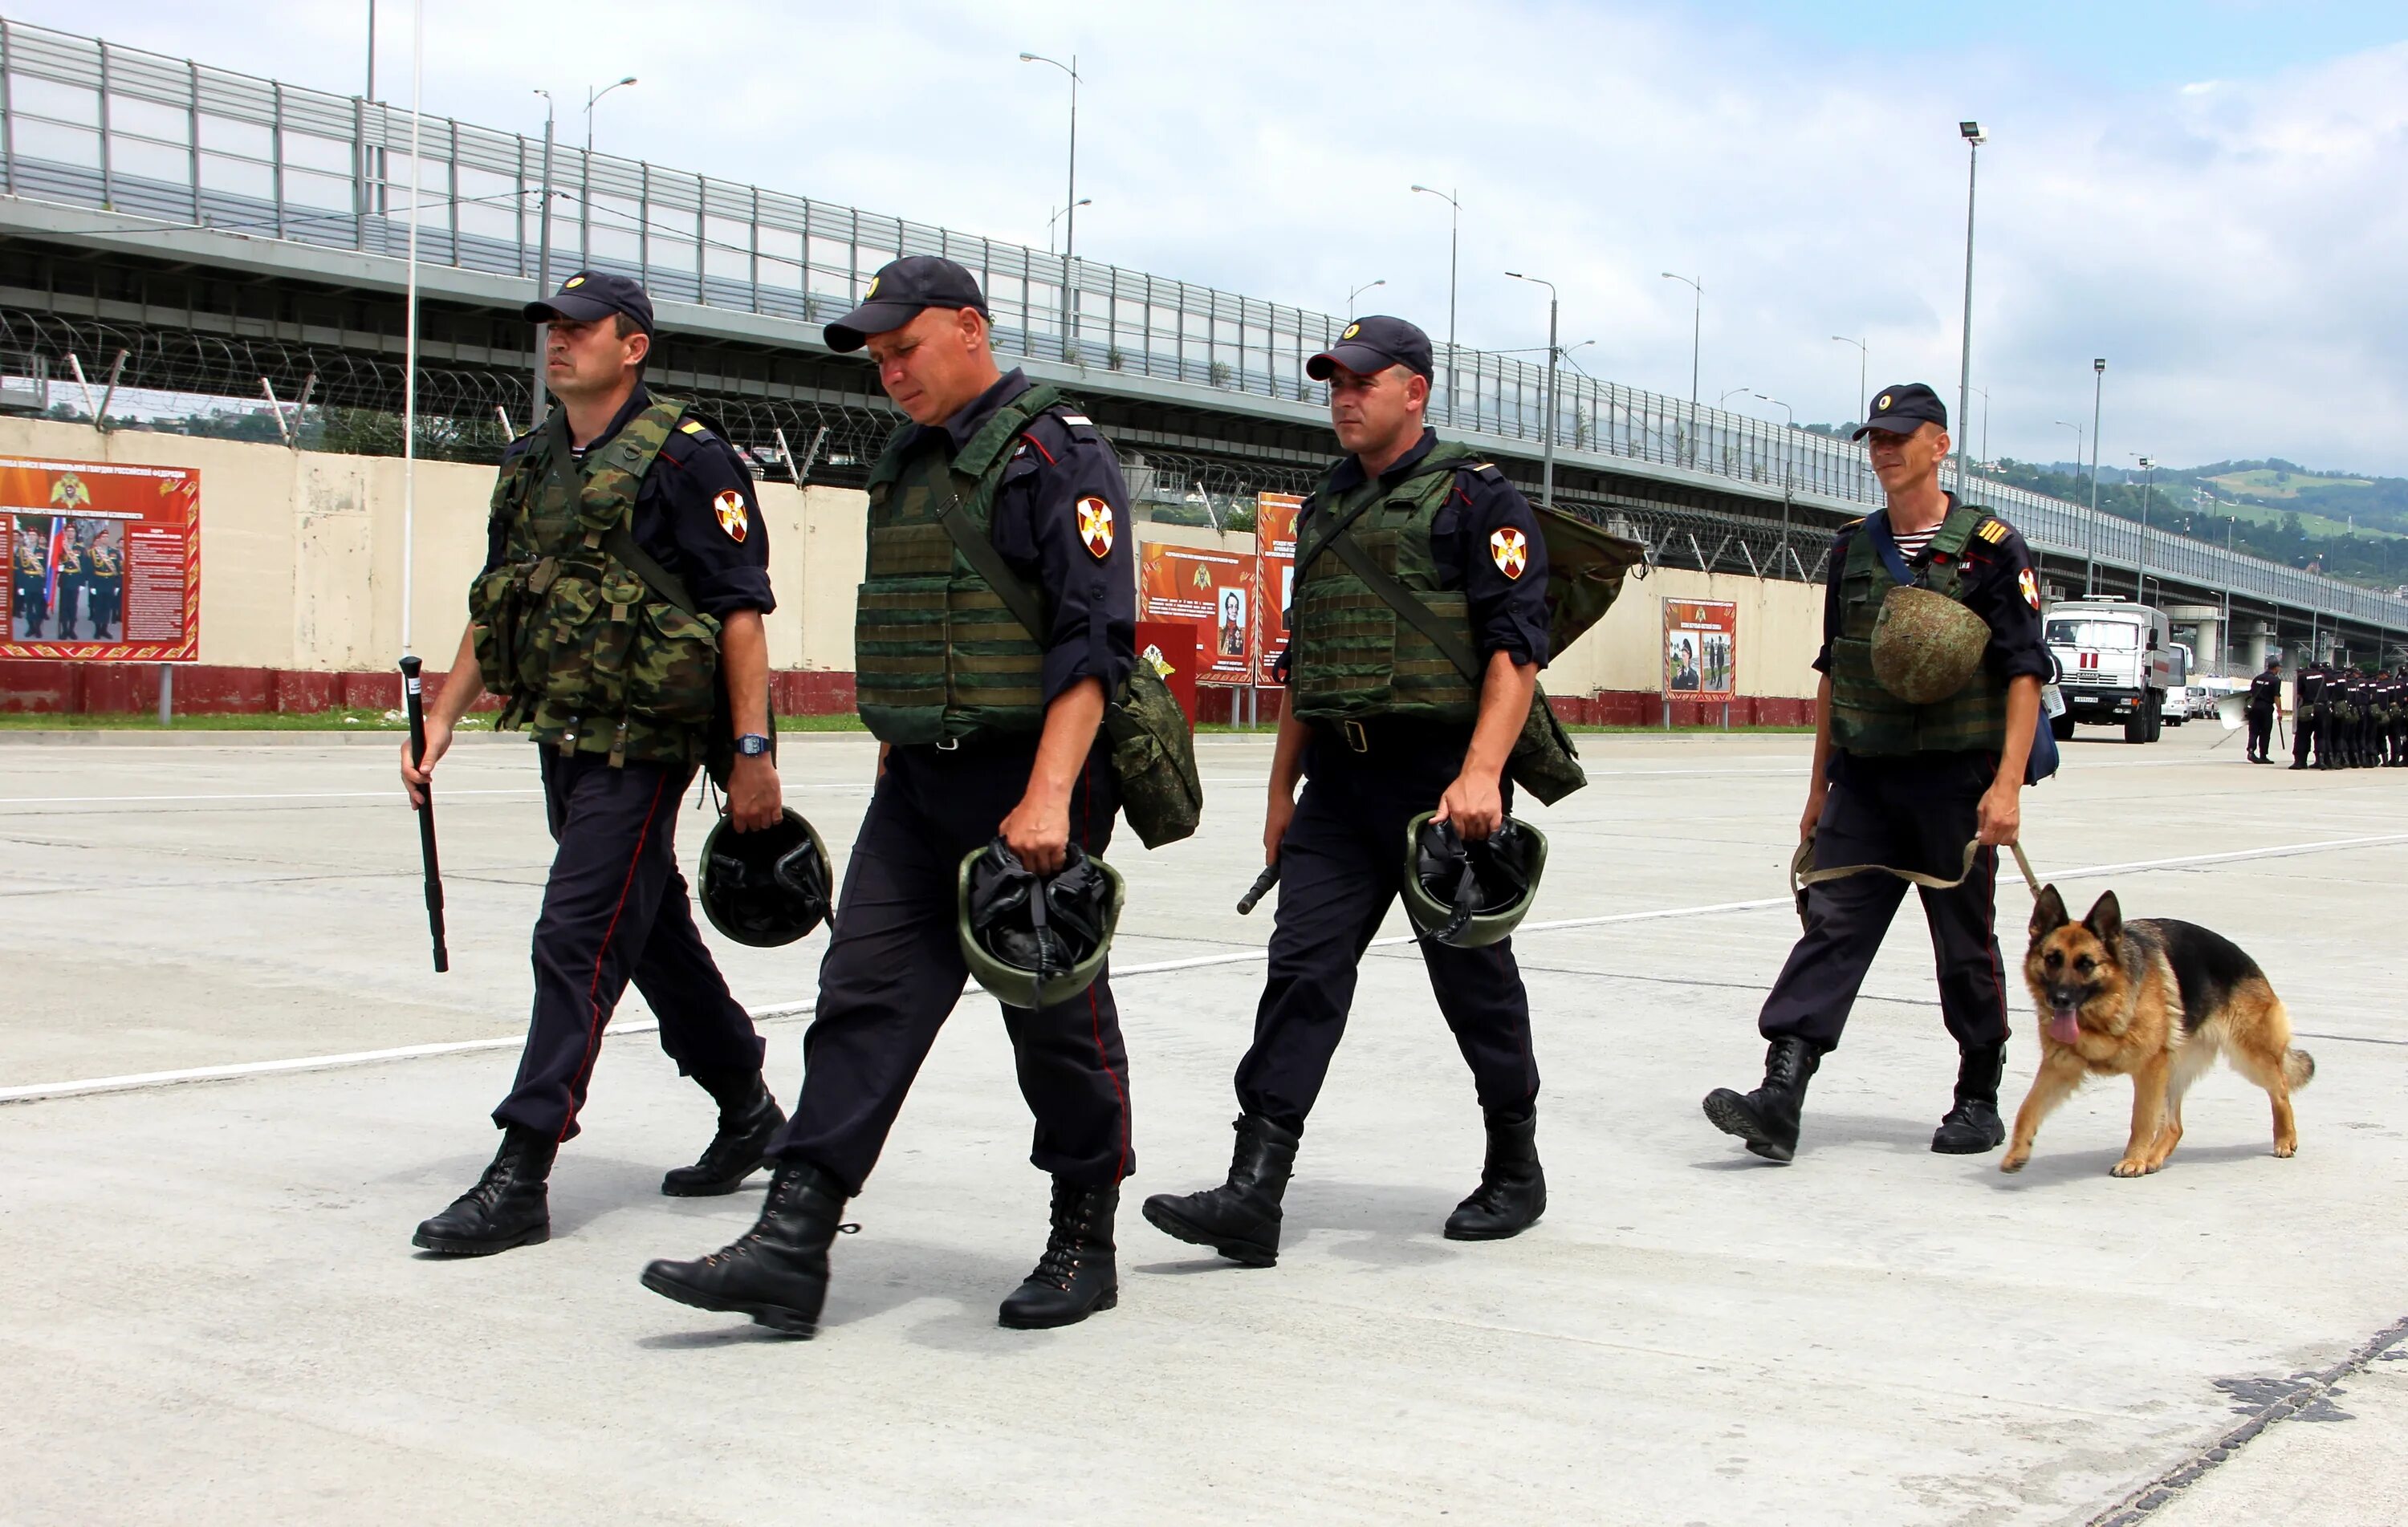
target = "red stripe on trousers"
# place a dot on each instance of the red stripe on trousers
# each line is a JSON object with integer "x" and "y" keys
{"x": 1095, "y": 1008}
{"x": 593, "y": 1033}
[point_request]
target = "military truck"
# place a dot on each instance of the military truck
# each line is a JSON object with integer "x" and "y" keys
{"x": 2118, "y": 663}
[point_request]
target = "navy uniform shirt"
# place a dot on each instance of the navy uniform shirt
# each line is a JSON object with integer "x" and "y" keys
{"x": 1061, "y": 520}
{"x": 723, "y": 558}
{"x": 2265, "y": 691}
{"x": 1998, "y": 583}
{"x": 1483, "y": 513}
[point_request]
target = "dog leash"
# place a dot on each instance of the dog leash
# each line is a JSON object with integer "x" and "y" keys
{"x": 1803, "y": 871}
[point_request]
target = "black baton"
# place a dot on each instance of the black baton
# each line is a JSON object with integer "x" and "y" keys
{"x": 412, "y": 699}
{"x": 1262, "y": 883}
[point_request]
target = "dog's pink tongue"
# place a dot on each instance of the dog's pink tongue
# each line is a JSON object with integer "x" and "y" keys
{"x": 2063, "y": 1026}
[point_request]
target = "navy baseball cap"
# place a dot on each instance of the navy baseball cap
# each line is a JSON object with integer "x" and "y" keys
{"x": 590, "y": 295}
{"x": 900, "y": 290}
{"x": 1370, "y": 346}
{"x": 1902, "y": 409}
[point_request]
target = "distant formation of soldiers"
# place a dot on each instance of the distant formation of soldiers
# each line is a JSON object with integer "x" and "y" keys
{"x": 2349, "y": 718}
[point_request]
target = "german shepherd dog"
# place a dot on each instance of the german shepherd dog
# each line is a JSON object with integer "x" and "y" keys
{"x": 2156, "y": 1001}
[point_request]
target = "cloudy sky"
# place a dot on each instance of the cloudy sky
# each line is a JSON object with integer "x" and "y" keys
{"x": 2208, "y": 193}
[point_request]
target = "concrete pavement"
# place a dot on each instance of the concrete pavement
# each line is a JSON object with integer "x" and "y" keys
{"x": 210, "y": 1310}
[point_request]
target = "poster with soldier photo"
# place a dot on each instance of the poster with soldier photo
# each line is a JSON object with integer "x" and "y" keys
{"x": 104, "y": 561}
{"x": 1275, "y": 559}
{"x": 1700, "y": 650}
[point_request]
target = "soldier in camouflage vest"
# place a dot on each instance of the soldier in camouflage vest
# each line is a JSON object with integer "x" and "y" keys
{"x": 1382, "y": 726}
{"x": 627, "y": 575}
{"x": 987, "y": 728}
{"x": 1907, "y": 785}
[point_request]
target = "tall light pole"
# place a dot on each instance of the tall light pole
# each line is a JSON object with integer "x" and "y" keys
{"x": 1358, "y": 292}
{"x": 2148, "y": 491}
{"x": 1732, "y": 393}
{"x": 1053, "y": 216}
{"x": 586, "y": 172}
{"x": 1782, "y": 407}
{"x": 1070, "y": 196}
{"x": 1453, "y": 240}
{"x": 1697, "y": 332}
{"x": 1547, "y": 480}
{"x": 1974, "y": 138}
{"x": 2098, "y": 398}
{"x": 2224, "y": 632}
{"x": 542, "y": 259}
{"x": 1984, "y": 457}
{"x": 1862, "y": 356}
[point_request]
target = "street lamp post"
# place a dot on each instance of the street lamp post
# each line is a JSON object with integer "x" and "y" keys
{"x": 1732, "y": 393}
{"x": 1984, "y": 457}
{"x": 1547, "y": 479}
{"x": 1053, "y": 215}
{"x": 542, "y": 259}
{"x": 2224, "y": 641}
{"x": 1782, "y": 407}
{"x": 2148, "y": 491}
{"x": 1070, "y": 197}
{"x": 1358, "y": 292}
{"x": 2098, "y": 399}
{"x": 585, "y": 173}
{"x": 1974, "y": 138}
{"x": 1862, "y": 356}
{"x": 1697, "y": 332}
{"x": 1453, "y": 232}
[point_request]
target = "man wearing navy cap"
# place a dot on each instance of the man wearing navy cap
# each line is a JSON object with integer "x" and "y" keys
{"x": 1381, "y": 727}
{"x": 1907, "y": 785}
{"x": 987, "y": 729}
{"x": 627, "y": 573}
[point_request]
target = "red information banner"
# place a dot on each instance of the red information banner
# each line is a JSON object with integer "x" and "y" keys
{"x": 1169, "y": 646}
{"x": 1275, "y": 576}
{"x": 1700, "y": 650}
{"x": 1213, "y": 590}
{"x": 104, "y": 561}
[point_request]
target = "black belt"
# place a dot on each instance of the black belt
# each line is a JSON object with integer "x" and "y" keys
{"x": 1391, "y": 734}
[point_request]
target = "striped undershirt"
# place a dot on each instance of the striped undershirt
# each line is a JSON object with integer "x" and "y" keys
{"x": 1911, "y": 546}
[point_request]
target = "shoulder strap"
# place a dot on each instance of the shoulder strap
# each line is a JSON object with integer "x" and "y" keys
{"x": 1958, "y": 528}
{"x": 1404, "y": 602}
{"x": 1441, "y": 459}
{"x": 989, "y": 564}
{"x": 621, "y": 543}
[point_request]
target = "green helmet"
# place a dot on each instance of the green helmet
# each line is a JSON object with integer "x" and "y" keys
{"x": 765, "y": 888}
{"x": 1927, "y": 646}
{"x": 1470, "y": 894}
{"x": 1035, "y": 940}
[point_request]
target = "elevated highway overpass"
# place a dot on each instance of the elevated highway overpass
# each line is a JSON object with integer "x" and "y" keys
{"x": 219, "y": 229}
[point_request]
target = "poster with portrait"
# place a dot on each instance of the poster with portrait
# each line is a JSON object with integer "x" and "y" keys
{"x": 1214, "y": 591}
{"x": 1700, "y": 650}
{"x": 1275, "y": 576}
{"x": 104, "y": 561}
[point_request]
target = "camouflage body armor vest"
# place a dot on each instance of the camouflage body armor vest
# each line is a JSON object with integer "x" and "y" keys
{"x": 936, "y": 653}
{"x": 1354, "y": 657}
{"x": 586, "y": 655}
{"x": 1869, "y": 720}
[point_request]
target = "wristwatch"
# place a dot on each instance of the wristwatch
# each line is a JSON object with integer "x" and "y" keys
{"x": 751, "y": 744}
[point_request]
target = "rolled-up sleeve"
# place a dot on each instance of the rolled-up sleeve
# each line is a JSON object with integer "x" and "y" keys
{"x": 1061, "y": 520}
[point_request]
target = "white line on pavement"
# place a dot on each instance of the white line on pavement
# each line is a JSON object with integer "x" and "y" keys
{"x": 43, "y": 1091}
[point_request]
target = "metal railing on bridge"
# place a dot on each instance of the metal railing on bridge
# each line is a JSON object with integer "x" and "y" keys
{"x": 91, "y": 124}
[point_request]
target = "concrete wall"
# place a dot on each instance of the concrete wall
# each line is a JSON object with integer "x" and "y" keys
{"x": 301, "y": 584}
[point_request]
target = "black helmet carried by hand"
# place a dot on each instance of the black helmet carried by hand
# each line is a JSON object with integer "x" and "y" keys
{"x": 1470, "y": 894}
{"x": 765, "y": 888}
{"x": 1034, "y": 940}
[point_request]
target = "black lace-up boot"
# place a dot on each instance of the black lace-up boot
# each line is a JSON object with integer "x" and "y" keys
{"x": 1973, "y": 1125}
{"x": 1241, "y": 1218}
{"x": 1767, "y": 1118}
{"x": 1513, "y": 1190}
{"x": 507, "y": 1207}
{"x": 1076, "y": 1277}
{"x": 778, "y": 1271}
{"x": 735, "y": 1152}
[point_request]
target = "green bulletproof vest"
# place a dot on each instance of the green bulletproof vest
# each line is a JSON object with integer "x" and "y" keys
{"x": 937, "y": 655}
{"x": 1352, "y": 656}
{"x": 1866, "y": 719}
{"x": 586, "y": 653}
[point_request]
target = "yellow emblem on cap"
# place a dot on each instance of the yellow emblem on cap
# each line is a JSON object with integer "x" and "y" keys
{"x": 1352, "y": 329}
{"x": 1884, "y": 403}
{"x": 872, "y": 289}
{"x": 572, "y": 281}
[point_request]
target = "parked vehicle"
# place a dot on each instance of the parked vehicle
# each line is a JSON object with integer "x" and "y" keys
{"x": 2119, "y": 666}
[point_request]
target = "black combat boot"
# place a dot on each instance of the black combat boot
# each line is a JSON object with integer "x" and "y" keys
{"x": 507, "y": 1208}
{"x": 1767, "y": 1118}
{"x": 735, "y": 1152}
{"x": 1513, "y": 1190}
{"x": 1241, "y": 1218}
{"x": 778, "y": 1271}
{"x": 1973, "y": 1126}
{"x": 1076, "y": 1277}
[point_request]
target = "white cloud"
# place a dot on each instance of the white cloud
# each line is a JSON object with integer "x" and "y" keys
{"x": 2231, "y": 245}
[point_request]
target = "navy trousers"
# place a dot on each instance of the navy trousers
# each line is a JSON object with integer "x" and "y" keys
{"x": 1342, "y": 865}
{"x": 615, "y": 909}
{"x": 893, "y": 971}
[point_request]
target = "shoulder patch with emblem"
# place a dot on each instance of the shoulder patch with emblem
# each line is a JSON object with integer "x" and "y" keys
{"x": 2030, "y": 586}
{"x": 733, "y": 516}
{"x": 1509, "y": 550}
{"x": 1096, "y": 527}
{"x": 1992, "y": 530}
